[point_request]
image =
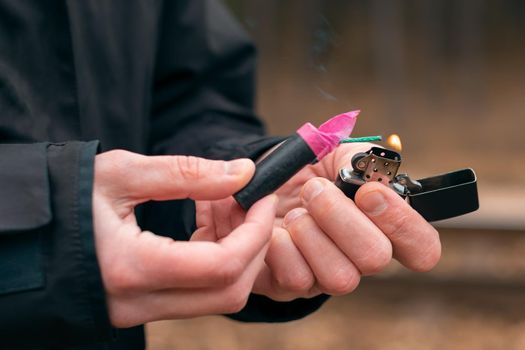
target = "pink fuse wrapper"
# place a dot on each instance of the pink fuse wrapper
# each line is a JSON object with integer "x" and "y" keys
{"x": 326, "y": 138}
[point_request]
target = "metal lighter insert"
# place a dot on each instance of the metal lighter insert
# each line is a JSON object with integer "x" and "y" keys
{"x": 435, "y": 198}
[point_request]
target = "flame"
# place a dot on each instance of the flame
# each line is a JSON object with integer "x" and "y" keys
{"x": 394, "y": 142}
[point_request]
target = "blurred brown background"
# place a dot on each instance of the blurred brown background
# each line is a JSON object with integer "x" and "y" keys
{"x": 449, "y": 77}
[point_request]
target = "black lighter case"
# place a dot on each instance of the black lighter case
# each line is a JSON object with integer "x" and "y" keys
{"x": 436, "y": 198}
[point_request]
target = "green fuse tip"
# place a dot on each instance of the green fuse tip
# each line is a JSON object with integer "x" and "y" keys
{"x": 362, "y": 139}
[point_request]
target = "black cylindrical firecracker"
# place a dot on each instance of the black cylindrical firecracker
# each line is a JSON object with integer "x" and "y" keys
{"x": 274, "y": 170}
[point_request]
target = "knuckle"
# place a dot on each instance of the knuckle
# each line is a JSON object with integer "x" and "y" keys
{"x": 324, "y": 210}
{"x": 397, "y": 226}
{"x": 328, "y": 207}
{"x": 125, "y": 160}
{"x": 377, "y": 259}
{"x": 429, "y": 259}
{"x": 117, "y": 154}
{"x": 119, "y": 280}
{"x": 118, "y": 321}
{"x": 187, "y": 167}
{"x": 118, "y": 317}
{"x": 298, "y": 282}
{"x": 298, "y": 227}
{"x": 262, "y": 228}
{"x": 343, "y": 282}
{"x": 236, "y": 299}
{"x": 114, "y": 162}
{"x": 230, "y": 271}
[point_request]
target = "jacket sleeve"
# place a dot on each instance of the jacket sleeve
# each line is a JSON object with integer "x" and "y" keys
{"x": 203, "y": 105}
{"x": 51, "y": 293}
{"x": 203, "y": 80}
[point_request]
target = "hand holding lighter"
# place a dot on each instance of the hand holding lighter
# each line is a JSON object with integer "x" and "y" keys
{"x": 435, "y": 198}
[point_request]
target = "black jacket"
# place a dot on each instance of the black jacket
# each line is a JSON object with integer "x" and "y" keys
{"x": 154, "y": 77}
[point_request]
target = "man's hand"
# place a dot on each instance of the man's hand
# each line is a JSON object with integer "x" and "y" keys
{"x": 148, "y": 277}
{"x": 323, "y": 242}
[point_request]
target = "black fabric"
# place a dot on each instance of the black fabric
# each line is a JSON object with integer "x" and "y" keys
{"x": 67, "y": 306}
{"x": 154, "y": 77}
{"x": 25, "y": 209}
{"x": 263, "y": 309}
{"x": 21, "y": 265}
{"x": 24, "y": 204}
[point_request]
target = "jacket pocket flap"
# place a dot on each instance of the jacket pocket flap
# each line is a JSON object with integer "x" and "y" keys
{"x": 24, "y": 187}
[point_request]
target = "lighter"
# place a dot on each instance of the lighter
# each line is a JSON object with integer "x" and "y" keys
{"x": 435, "y": 198}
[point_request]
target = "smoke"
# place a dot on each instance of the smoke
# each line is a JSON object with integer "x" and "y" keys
{"x": 326, "y": 95}
{"x": 324, "y": 39}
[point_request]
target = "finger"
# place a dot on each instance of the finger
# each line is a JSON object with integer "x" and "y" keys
{"x": 183, "y": 303}
{"x": 205, "y": 224}
{"x": 238, "y": 215}
{"x": 334, "y": 272}
{"x": 222, "y": 212}
{"x": 204, "y": 214}
{"x": 289, "y": 270}
{"x": 358, "y": 237}
{"x": 160, "y": 262}
{"x": 416, "y": 243}
{"x": 289, "y": 193}
{"x": 217, "y": 219}
{"x": 247, "y": 240}
{"x": 177, "y": 177}
{"x": 265, "y": 284}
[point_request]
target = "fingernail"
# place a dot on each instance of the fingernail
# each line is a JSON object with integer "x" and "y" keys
{"x": 237, "y": 166}
{"x": 292, "y": 215}
{"x": 312, "y": 189}
{"x": 373, "y": 203}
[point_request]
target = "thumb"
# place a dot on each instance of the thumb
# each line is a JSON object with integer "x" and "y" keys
{"x": 177, "y": 177}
